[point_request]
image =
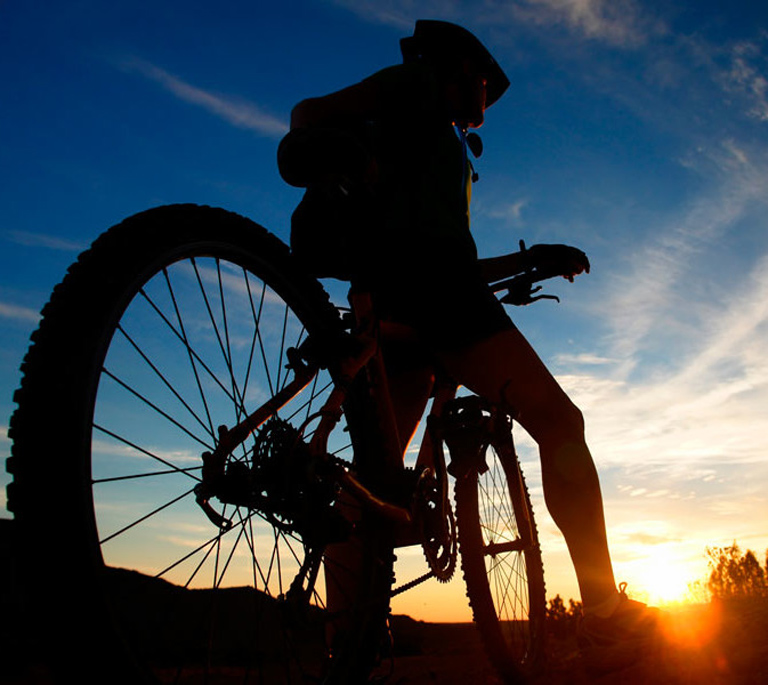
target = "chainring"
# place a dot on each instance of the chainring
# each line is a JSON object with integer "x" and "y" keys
{"x": 434, "y": 516}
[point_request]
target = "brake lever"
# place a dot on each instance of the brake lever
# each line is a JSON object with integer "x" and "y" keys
{"x": 541, "y": 297}
{"x": 520, "y": 299}
{"x": 520, "y": 288}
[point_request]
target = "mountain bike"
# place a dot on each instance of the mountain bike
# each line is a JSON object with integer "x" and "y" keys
{"x": 208, "y": 483}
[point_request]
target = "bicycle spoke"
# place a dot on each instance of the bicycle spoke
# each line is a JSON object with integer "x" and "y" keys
{"x": 191, "y": 357}
{"x": 173, "y": 468}
{"x": 257, "y": 327}
{"x": 165, "y": 380}
{"x": 145, "y": 517}
{"x": 213, "y": 376}
{"x": 254, "y": 336}
{"x": 157, "y": 409}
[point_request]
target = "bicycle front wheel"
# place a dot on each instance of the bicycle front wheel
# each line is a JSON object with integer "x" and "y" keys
{"x": 174, "y": 323}
{"x": 501, "y": 562}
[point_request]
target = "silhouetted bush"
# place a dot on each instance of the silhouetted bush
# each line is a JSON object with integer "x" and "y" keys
{"x": 562, "y": 621}
{"x": 733, "y": 575}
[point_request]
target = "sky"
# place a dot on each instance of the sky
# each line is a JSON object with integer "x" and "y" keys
{"x": 635, "y": 130}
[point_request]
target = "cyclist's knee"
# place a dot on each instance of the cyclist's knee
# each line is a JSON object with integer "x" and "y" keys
{"x": 552, "y": 421}
{"x": 571, "y": 421}
{"x": 565, "y": 433}
{"x": 565, "y": 456}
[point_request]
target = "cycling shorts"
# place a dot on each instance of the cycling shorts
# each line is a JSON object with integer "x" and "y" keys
{"x": 450, "y": 318}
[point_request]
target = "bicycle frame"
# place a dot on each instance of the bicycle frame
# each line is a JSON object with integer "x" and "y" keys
{"x": 368, "y": 331}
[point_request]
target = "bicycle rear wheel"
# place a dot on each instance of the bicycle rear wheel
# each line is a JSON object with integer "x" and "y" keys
{"x": 175, "y": 322}
{"x": 501, "y": 561}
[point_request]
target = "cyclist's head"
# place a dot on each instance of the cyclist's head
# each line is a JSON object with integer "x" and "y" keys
{"x": 453, "y": 51}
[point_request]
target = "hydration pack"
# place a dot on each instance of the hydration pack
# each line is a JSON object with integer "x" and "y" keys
{"x": 336, "y": 207}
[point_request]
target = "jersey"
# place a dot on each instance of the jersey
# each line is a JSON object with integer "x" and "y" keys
{"x": 420, "y": 261}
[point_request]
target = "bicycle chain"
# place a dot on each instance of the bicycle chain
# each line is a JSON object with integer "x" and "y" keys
{"x": 411, "y": 584}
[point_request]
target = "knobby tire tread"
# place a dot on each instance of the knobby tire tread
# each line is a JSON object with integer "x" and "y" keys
{"x": 471, "y": 543}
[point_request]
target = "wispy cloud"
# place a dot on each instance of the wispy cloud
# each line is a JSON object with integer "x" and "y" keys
{"x": 662, "y": 287}
{"x": 41, "y": 240}
{"x": 586, "y": 359}
{"x": 619, "y": 23}
{"x": 237, "y": 112}
{"x": 510, "y": 212}
{"x": 746, "y": 75}
{"x": 25, "y": 314}
{"x": 403, "y": 13}
{"x": 692, "y": 381}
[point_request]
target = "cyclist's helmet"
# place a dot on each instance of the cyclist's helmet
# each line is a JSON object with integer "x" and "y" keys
{"x": 444, "y": 45}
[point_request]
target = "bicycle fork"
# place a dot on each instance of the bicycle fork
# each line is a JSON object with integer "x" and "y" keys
{"x": 470, "y": 426}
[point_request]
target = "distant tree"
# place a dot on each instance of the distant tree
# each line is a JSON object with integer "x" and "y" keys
{"x": 556, "y": 610}
{"x": 575, "y": 609}
{"x": 733, "y": 574}
{"x": 562, "y": 620}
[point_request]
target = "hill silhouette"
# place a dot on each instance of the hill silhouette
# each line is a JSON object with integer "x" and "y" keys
{"x": 721, "y": 643}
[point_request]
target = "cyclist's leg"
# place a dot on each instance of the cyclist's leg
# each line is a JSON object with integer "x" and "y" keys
{"x": 410, "y": 377}
{"x": 410, "y": 380}
{"x": 504, "y": 367}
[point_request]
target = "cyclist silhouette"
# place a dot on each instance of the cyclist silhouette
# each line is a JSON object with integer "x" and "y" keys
{"x": 388, "y": 177}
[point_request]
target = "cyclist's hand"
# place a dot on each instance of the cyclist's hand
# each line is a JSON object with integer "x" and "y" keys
{"x": 560, "y": 260}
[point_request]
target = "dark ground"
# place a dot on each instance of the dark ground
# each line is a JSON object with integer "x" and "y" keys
{"x": 705, "y": 645}
{"x": 724, "y": 644}
{"x": 713, "y": 644}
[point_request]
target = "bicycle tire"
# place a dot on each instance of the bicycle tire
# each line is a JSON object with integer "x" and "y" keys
{"x": 501, "y": 563}
{"x": 93, "y": 419}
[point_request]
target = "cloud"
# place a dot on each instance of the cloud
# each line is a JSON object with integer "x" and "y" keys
{"x": 676, "y": 388}
{"x": 704, "y": 412}
{"x": 584, "y": 359}
{"x": 40, "y": 240}
{"x": 25, "y": 314}
{"x": 746, "y": 76}
{"x": 641, "y": 537}
{"x": 239, "y": 113}
{"x": 510, "y": 212}
{"x": 662, "y": 293}
{"x": 619, "y": 23}
{"x": 398, "y": 13}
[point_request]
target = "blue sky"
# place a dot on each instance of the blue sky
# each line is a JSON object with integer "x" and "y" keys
{"x": 636, "y": 130}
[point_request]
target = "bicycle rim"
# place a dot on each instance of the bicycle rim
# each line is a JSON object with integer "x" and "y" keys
{"x": 501, "y": 562}
{"x": 190, "y": 335}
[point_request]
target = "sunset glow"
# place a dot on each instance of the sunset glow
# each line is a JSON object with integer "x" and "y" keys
{"x": 666, "y": 580}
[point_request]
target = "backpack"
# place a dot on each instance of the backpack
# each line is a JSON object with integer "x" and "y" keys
{"x": 326, "y": 225}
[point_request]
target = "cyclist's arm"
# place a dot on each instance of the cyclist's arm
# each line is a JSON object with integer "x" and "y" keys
{"x": 557, "y": 260}
{"x": 497, "y": 268}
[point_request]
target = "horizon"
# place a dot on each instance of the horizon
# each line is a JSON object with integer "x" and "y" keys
{"x": 634, "y": 130}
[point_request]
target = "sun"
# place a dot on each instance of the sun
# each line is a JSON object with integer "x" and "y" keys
{"x": 666, "y": 578}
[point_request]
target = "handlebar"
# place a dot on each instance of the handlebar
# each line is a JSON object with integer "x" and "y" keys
{"x": 520, "y": 289}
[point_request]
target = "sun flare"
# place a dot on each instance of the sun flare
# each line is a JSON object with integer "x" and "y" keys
{"x": 666, "y": 579}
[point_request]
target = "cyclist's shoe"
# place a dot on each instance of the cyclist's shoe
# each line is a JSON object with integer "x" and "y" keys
{"x": 621, "y": 639}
